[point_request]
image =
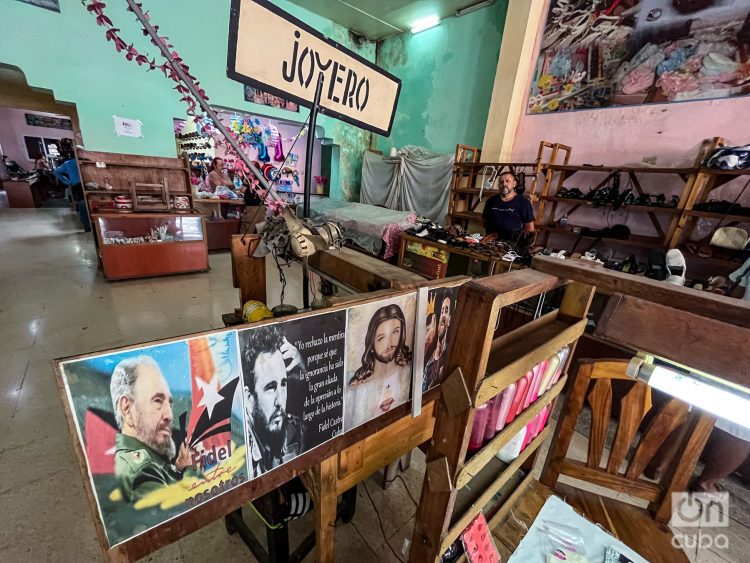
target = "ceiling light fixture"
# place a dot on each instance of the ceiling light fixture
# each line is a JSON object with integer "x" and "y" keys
{"x": 425, "y": 23}
{"x": 474, "y": 7}
{"x": 729, "y": 402}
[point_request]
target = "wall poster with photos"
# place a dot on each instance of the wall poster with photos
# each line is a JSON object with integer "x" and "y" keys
{"x": 264, "y": 98}
{"x": 162, "y": 428}
{"x": 167, "y": 426}
{"x": 607, "y": 53}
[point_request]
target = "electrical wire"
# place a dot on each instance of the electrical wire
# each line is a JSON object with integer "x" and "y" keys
{"x": 380, "y": 522}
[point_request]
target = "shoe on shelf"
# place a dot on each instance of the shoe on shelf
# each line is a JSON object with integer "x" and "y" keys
{"x": 675, "y": 267}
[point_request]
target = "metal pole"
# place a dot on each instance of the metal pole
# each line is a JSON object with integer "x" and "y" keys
{"x": 203, "y": 103}
{"x": 308, "y": 185}
{"x": 311, "y": 147}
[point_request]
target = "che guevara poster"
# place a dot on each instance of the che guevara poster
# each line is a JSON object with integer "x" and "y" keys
{"x": 162, "y": 428}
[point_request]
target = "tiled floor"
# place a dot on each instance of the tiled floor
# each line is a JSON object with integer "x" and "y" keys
{"x": 53, "y": 303}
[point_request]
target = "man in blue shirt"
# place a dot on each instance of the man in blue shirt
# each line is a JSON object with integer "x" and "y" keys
{"x": 507, "y": 215}
{"x": 69, "y": 175}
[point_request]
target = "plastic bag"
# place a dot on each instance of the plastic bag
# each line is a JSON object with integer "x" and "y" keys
{"x": 563, "y": 543}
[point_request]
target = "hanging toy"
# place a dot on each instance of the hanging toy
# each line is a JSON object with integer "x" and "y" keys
{"x": 270, "y": 172}
{"x": 279, "y": 156}
{"x": 263, "y": 152}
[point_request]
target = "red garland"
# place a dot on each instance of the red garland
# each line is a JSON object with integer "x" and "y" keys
{"x": 96, "y": 7}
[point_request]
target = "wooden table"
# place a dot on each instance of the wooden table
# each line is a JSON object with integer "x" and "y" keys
{"x": 431, "y": 259}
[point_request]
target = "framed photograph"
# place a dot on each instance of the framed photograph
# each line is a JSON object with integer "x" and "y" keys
{"x": 161, "y": 427}
{"x": 260, "y": 97}
{"x": 441, "y": 308}
{"x": 379, "y": 363}
{"x": 293, "y": 377}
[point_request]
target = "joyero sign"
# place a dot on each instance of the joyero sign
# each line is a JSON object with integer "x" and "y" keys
{"x": 275, "y": 52}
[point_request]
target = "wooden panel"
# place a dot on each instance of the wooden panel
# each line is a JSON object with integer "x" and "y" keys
{"x": 141, "y": 260}
{"x": 460, "y": 525}
{"x": 384, "y": 446}
{"x": 680, "y": 336}
{"x": 123, "y": 168}
{"x": 600, "y": 400}
{"x": 635, "y": 404}
{"x": 524, "y": 330}
{"x": 19, "y": 194}
{"x": 671, "y": 416}
{"x": 702, "y": 303}
{"x": 641, "y": 489}
{"x": 518, "y": 285}
{"x": 480, "y": 458}
{"x": 219, "y": 233}
{"x": 362, "y": 272}
{"x": 518, "y": 357}
{"x": 248, "y": 272}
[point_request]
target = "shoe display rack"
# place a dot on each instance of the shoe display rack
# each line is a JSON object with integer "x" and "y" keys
{"x": 460, "y": 484}
{"x": 474, "y": 181}
{"x": 142, "y": 214}
{"x": 707, "y": 180}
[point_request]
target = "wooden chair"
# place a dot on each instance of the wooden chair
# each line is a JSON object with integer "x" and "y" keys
{"x": 643, "y": 529}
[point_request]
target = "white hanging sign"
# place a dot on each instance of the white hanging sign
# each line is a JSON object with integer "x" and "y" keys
{"x": 279, "y": 54}
{"x": 125, "y": 127}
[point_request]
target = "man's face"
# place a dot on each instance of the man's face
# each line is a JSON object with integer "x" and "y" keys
{"x": 509, "y": 183}
{"x": 219, "y": 164}
{"x": 445, "y": 317}
{"x": 269, "y": 409}
{"x": 387, "y": 338}
{"x": 429, "y": 337}
{"x": 151, "y": 411}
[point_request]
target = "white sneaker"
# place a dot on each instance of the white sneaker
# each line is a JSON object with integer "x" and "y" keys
{"x": 675, "y": 267}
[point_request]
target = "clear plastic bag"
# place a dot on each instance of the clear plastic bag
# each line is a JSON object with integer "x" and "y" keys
{"x": 563, "y": 543}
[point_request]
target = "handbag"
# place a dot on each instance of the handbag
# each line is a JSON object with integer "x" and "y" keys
{"x": 732, "y": 238}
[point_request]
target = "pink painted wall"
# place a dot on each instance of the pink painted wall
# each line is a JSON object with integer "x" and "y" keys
{"x": 13, "y": 128}
{"x": 627, "y": 135}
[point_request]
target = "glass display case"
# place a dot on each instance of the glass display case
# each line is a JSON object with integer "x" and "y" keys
{"x": 152, "y": 229}
{"x": 137, "y": 245}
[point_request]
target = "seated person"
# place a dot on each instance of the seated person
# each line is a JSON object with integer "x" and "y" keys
{"x": 507, "y": 215}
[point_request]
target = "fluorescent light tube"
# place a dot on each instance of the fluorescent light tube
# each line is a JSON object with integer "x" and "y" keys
{"x": 425, "y": 23}
{"x": 715, "y": 398}
{"x": 472, "y": 8}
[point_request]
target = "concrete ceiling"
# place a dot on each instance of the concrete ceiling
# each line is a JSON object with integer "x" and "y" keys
{"x": 377, "y": 19}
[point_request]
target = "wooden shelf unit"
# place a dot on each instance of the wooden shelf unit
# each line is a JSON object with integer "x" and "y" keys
{"x": 556, "y": 176}
{"x": 458, "y": 487}
{"x": 469, "y": 174}
{"x": 707, "y": 180}
{"x": 138, "y": 175}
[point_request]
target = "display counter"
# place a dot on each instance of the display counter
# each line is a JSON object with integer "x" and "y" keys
{"x": 134, "y": 245}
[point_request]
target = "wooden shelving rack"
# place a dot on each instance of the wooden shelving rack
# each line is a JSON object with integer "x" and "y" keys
{"x": 466, "y": 191}
{"x": 457, "y": 488}
{"x": 699, "y": 182}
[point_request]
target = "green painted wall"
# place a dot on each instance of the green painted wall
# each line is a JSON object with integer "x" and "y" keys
{"x": 67, "y": 53}
{"x": 447, "y": 75}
